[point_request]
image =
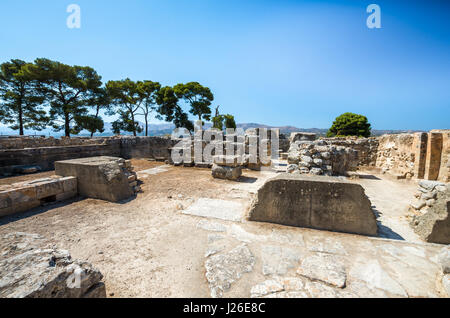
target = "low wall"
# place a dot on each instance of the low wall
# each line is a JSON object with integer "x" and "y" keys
{"x": 366, "y": 148}
{"x": 45, "y": 156}
{"x": 39, "y": 142}
{"x": 23, "y": 196}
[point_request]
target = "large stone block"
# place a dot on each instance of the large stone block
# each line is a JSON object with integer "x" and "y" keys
{"x": 317, "y": 202}
{"x": 434, "y": 226}
{"x": 31, "y": 269}
{"x": 223, "y": 172}
{"x": 98, "y": 177}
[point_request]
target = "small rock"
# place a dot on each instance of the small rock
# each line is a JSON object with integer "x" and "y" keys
{"x": 316, "y": 171}
{"x": 292, "y": 168}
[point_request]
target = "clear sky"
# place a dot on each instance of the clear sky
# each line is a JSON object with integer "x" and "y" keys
{"x": 299, "y": 63}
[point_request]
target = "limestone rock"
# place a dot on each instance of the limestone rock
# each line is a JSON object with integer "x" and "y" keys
{"x": 371, "y": 273}
{"x": 29, "y": 269}
{"x": 291, "y": 168}
{"x": 316, "y": 202}
{"x": 324, "y": 267}
{"x": 104, "y": 178}
{"x": 444, "y": 260}
{"x": 224, "y": 269}
{"x": 434, "y": 225}
{"x": 225, "y": 172}
{"x": 278, "y": 260}
{"x": 446, "y": 284}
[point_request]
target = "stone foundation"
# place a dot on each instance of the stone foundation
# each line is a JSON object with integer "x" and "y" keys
{"x": 20, "y": 197}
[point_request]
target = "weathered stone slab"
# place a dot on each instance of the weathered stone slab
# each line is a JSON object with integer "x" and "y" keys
{"x": 217, "y": 209}
{"x": 324, "y": 267}
{"x": 98, "y": 177}
{"x": 316, "y": 202}
{"x": 29, "y": 269}
{"x": 278, "y": 260}
{"x": 224, "y": 269}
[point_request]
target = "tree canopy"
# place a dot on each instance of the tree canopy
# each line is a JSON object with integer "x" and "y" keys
{"x": 73, "y": 98}
{"x": 21, "y": 107}
{"x": 169, "y": 110}
{"x": 219, "y": 121}
{"x": 350, "y": 124}
{"x": 126, "y": 96}
{"x": 148, "y": 91}
{"x": 65, "y": 88}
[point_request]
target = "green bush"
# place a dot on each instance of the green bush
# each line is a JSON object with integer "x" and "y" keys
{"x": 350, "y": 124}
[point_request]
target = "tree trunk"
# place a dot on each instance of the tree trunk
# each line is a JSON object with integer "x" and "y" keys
{"x": 134, "y": 124}
{"x": 146, "y": 126}
{"x": 67, "y": 125}
{"x": 21, "y": 132}
{"x": 96, "y": 116}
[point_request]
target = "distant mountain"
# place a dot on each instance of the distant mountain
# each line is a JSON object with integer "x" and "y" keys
{"x": 167, "y": 128}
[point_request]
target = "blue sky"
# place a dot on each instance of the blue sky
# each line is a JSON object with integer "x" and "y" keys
{"x": 299, "y": 63}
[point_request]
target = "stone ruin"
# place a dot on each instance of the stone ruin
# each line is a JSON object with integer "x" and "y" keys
{"x": 431, "y": 212}
{"x": 106, "y": 178}
{"x": 319, "y": 157}
{"x": 23, "y": 196}
{"x": 319, "y": 202}
{"x": 31, "y": 269}
{"x": 214, "y": 153}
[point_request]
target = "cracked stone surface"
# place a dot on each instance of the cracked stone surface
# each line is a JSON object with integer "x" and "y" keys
{"x": 278, "y": 260}
{"x": 211, "y": 226}
{"x": 327, "y": 268}
{"x": 224, "y": 269}
{"x": 215, "y": 208}
{"x": 326, "y": 246}
{"x": 371, "y": 272}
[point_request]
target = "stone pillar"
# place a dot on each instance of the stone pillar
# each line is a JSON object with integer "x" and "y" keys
{"x": 444, "y": 171}
{"x": 420, "y": 154}
{"x": 433, "y": 159}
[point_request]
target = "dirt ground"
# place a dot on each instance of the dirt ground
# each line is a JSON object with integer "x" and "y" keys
{"x": 146, "y": 247}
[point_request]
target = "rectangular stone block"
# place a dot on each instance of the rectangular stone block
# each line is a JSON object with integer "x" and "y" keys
{"x": 316, "y": 202}
{"x": 98, "y": 177}
{"x": 49, "y": 188}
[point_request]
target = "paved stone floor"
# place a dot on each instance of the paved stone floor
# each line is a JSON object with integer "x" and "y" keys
{"x": 186, "y": 235}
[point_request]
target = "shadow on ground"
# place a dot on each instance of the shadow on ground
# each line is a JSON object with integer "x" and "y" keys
{"x": 385, "y": 231}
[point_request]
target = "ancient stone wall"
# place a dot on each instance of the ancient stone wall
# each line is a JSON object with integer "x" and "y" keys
{"x": 418, "y": 155}
{"x": 48, "y": 150}
{"x": 396, "y": 154}
{"x": 23, "y": 196}
{"x": 366, "y": 148}
{"x": 39, "y": 142}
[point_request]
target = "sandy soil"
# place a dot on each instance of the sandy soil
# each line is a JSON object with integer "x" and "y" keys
{"x": 145, "y": 247}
